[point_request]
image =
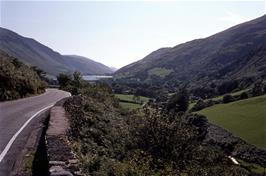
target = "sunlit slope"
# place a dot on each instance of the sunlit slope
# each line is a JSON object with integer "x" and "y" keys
{"x": 235, "y": 53}
{"x": 245, "y": 119}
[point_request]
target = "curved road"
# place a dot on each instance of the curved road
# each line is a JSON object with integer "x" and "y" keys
{"x": 15, "y": 122}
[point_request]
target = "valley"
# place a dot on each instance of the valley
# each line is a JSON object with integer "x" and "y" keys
{"x": 187, "y": 110}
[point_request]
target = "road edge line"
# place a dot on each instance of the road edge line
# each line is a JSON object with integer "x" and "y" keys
{"x": 11, "y": 141}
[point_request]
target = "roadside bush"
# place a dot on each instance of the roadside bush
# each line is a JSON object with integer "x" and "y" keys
{"x": 18, "y": 80}
{"x": 111, "y": 141}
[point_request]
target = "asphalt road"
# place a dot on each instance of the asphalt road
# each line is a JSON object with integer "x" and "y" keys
{"x": 16, "y": 119}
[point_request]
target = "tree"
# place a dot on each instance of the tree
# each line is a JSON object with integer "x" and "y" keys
{"x": 258, "y": 89}
{"x": 243, "y": 95}
{"x": 227, "y": 87}
{"x": 228, "y": 98}
{"x": 40, "y": 72}
{"x": 17, "y": 63}
{"x": 178, "y": 102}
{"x": 77, "y": 79}
{"x": 63, "y": 80}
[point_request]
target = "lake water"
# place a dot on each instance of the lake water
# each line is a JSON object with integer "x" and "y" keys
{"x": 96, "y": 77}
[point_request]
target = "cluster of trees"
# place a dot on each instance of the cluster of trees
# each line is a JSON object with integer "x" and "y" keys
{"x": 158, "y": 141}
{"x": 214, "y": 89}
{"x": 18, "y": 80}
{"x": 71, "y": 83}
{"x": 258, "y": 88}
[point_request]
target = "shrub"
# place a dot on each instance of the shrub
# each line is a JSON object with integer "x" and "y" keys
{"x": 258, "y": 89}
{"x": 178, "y": 102}
{"x": 17, "y": 79}
{"x": 201, "y": 104}
{"x": 243, "y": 95}
{"x": 109, "y": 141}
{"x": 228, "y": 86}
{"x": 228, "y": 98}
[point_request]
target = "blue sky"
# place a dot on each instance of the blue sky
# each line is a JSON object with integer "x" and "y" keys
{"x": 118, "y": 33}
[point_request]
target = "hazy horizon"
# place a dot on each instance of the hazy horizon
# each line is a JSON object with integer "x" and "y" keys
{"x": 119, "y": 33}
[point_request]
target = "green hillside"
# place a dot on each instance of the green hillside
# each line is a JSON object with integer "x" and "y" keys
{"x": 33, "y": 53}
{"x": 234, "y": 54}
{"x": 245, "y": 119}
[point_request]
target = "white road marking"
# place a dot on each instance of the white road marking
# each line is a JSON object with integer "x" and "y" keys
{"x": 11, "y": 141}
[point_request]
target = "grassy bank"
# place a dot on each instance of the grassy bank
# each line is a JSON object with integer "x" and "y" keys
{"x": 245, "y": 119}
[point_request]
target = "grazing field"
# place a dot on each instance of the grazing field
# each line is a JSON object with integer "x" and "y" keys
{"x": 130, "y": 97}
{"x": 245, "y": 119}
{"x": 161, "y": 72}
{"x": 131, "y": 102}
{"x": 130, "y": 105}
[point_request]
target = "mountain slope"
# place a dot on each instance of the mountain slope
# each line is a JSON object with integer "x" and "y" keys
{"x": 34, "y": 53}
{"x": 235, "y": 53}
{"x": 86, "y": 65}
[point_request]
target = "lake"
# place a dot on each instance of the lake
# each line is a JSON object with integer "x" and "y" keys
{"x": 96, "y": 77}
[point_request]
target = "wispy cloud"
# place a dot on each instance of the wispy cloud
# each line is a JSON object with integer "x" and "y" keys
{"x": 233, "y": 18}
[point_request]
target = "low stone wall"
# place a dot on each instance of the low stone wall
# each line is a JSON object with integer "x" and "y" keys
{"x": 62, "y": 161}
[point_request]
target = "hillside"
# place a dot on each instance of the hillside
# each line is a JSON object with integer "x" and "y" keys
{"x": 86, "y": 65}
{"x": 34, "y": 53}
{"x": 236, "y": 53}
{"x": 17, "y": 79}
{"x": 245, "y": 118}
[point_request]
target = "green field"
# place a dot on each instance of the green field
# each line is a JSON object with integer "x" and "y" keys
{"x": 245, "y": 119}
{"x": 161, "y": 72}
{"x": 130, "y": 105}
{"x": 129, "y": 98}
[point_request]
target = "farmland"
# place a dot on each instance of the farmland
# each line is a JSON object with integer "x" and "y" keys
{"x": 245, "y": 119}
{"x": 131, "y": 102}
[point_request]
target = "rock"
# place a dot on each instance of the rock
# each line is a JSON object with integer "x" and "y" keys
{"x": 73, "y": 161}
{"x": 59, "y": 171}
{"x": 57, "y": 163}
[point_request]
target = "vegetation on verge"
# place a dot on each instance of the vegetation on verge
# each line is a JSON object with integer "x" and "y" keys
{"x": 17, "y": 79}
{"x": 161, "y": 141}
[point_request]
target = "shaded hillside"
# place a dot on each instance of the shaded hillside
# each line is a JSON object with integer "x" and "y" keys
{"x": 236, "y": 53}
{"x": 34, "y": 53}
{"x": 17, "y": 79}
{"x": 86, "y": 66}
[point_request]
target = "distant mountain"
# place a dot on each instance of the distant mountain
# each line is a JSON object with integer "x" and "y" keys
{"x": 86, "y": 65}
{"x": 235, "y": 53}
{"x": 34, "y": 53}
{"x": 114, "y": 69}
